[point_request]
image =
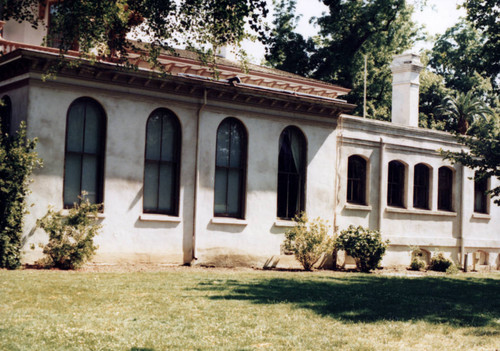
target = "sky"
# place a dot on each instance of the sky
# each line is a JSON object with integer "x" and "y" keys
{"x": 437, "y": 16}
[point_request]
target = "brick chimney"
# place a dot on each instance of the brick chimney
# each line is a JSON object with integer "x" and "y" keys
{"x": 405, "y": 85}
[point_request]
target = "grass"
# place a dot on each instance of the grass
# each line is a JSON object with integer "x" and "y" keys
{"x": 193, "y": 309}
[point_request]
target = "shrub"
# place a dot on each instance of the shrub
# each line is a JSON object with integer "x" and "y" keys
{"x": 439, "y": 263}
{"x": 364, "y": 245}
{"x": 71, "y": 236}
{"x": 417, "y": 264}
{"x": 453, "y": 269}
{"x": 18, "y": 159}
{"x": 308, "y": 240}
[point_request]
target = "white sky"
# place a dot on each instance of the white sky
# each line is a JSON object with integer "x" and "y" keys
{"x": 437, "y": 16}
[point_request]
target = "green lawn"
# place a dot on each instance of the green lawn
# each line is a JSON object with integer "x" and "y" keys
{"x": 195, "y": 309}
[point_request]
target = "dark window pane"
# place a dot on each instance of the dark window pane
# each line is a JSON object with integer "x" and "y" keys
{"x": 161, "y": 171}
{"x": 72, "y": 177}
{"x": 445, "y": 181}
{"x": 85, "y": 132}
{"x": 395, "y": 186}
{"x": 291, "y": 173}
{"x": 421, "y": 187}
{"x": 356, "y": 180}
{"x": 230, "y": 169}
{"x": 480, "y": 196}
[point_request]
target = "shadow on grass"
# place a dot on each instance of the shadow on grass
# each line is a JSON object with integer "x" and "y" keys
{"x": 459, "y": 302}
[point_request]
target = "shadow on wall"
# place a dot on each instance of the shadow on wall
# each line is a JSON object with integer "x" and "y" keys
{"x": 360, "y": 299}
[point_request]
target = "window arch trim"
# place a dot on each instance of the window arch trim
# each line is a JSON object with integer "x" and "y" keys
{"x": 396, "y": 183}
{"x": 422, "y": 175}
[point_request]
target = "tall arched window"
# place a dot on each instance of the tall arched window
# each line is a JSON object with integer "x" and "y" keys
{"x": 291, "y": 173}
{"x": 421, "y": 187}
{"x": 396, "y": 184}
{"x": 480, "y": 195}
{"x": 6, "y": 114}
{"x": 84, "y": 155}
{"x": 445, "y": 189}
{"x": 230, "y": 169}
{"x": 162, "y": 163}
{"x": 356, "y": 180}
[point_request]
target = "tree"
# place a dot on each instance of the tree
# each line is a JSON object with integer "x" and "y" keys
{"x": 463, "y": 110}
{"x": 110, "y": 26}
{"x": 484, "y": 15}
{"x": 286, "y": 49}
{"x": 379, "y": 29}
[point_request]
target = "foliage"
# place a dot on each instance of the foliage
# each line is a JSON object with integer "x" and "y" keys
{"x": 364, "y": 245}
{"x": 114, "y": 28}
{"x": 378, "y": 29}
{"x": 439, "y": 263}
{"x": 71, "y": 236}
{"x": 463, "y": 110}
{"x": 417, "y": 264}
{"x": 453, "y": 269}
{"x": 484, "y": 14}
{"x": 483, "y": 155}
{"x": 286, "y": 49}
{"x": 308, "y": 240}
{"x": 18, "y": 159}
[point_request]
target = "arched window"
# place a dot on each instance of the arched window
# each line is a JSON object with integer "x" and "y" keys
{"x": 6, "y": 114}
{"x": 162, "y": 163}
{"x": 396, "y": 184}
{"x": 291, "y": 173}
{"x": 356, "y": 180}
{"x": 230, "y": 169}
{"x": 421, "y": 187}
{"x": 84, "y": 155}
{"x": 445, "y": 189}
{"x": 480, "y": 195}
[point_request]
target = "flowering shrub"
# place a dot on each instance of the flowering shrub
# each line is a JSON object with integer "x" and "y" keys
{"x": 364, "y": 245}
{"x": 308, "y": 240}
{"x": 440, "y": 263}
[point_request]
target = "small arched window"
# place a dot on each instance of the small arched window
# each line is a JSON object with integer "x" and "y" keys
{"x": 356, "y": 180}
{"x": 230, "y": 169}
{"x": 396, "y": 184}
{"x": 84, "y": 155}
{"x": 421, "y": 187}
{"x": 162, "y": 163}
{"x": 291, "y": 173}
{"x": 6, "y": 114}
{"x": 445, "y": 189}
{"x": 480, "y": 195}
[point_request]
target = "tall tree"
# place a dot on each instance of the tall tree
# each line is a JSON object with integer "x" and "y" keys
{"x": 378, "y": 29}
{"x": 286, "y": 49}
{"x": 484, "y": 15}
{"x": 108, "y": 26}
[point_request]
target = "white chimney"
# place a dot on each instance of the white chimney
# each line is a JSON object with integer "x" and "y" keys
{"x": 405, "y": 85}
{"x": 228, "y": 52}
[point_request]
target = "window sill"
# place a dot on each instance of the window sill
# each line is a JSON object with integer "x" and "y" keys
{"x": 357, "y": 207}
{"x": 285, "y": 223}
{"x": 100, "y": 215}
{"x": 228, "y": 220}
{"x": 421, "y": 212}
{"x": 152, "y": 217}
{"x": 481, "y": 215}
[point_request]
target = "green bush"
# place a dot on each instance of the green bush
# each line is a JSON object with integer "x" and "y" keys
{"x": 453, "y": 269}
{"x": 308, "y": 240}
{"x": 439, "y": 263}
{"x": 71, "y": 236}
{"x": 364, "y": 245}
{"x": 18, "y": 159}
{"x": 417, "y": 264}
